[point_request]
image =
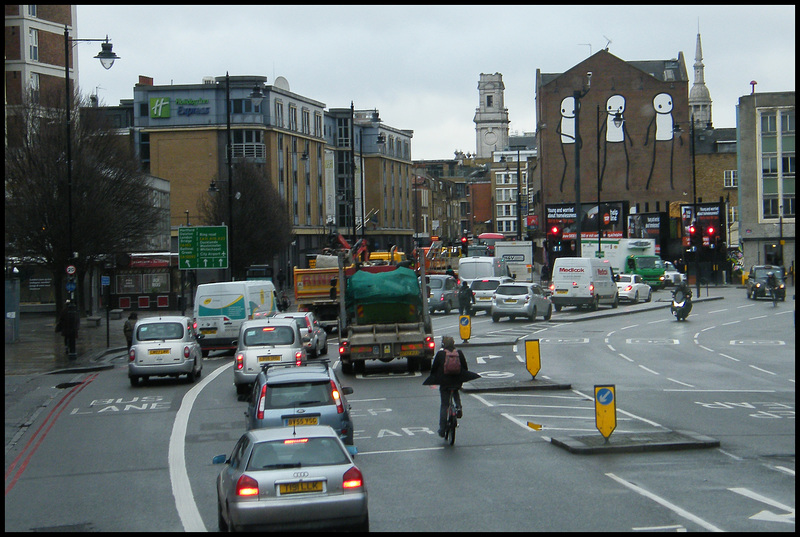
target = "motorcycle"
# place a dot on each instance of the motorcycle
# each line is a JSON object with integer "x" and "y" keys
{"x": 681, "y": 303}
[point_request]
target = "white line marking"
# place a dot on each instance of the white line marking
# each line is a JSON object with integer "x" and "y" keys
{"x": 669, "y": 505}
{"x": 681, "y": 383}
{"x": 730, "y": 357}
{"x": 763, "y": 370}
{"x": 649, "y": 370}
{"x": 399, "y": 450}
{"x": 179, "y": 478}
{"x": 763, "y": 499}
{"x": 626, "y": 357}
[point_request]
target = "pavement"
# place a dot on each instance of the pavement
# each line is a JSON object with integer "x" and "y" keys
{"x": 39, "y": 353}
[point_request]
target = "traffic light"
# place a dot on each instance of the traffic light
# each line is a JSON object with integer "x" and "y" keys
{"x": 464, "y": 246}
{"x": 711, "y": 233}
{"x": 695, "y": 235}
{"x": 555, "y": 233}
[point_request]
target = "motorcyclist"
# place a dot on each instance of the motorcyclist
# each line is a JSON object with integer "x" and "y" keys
{"x": 684, "y": 288}
{"x": 772, "y": 281}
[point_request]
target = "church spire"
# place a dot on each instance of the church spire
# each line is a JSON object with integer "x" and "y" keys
{"x": 699, "y": 96}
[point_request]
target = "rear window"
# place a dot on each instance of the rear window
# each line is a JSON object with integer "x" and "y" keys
{"x": 624, "y": 278}
{"x": 436, "y": 284}
{"x": 298, "y": 394}
{"x": 296, "y": 453}
{"x": 485, "y": 285}
{"x": 512, "y": 290}
{"x": 154, "y": 331}
{"x": 268, "y": 335}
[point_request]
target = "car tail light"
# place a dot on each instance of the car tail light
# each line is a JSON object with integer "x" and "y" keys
{"x": 186, "y": 351}
{"x": 628, "y": 287}
{"x": 262, "y": 402}
{"x": 308, "y": 324}
{"x": 343, "y": 348}
{"x": 246, "y": 486}
{"x": 591, "y": 288}
{"x": 337, "y": 397}
{"x": 441, "y": 298}
{"x": 352, "y": 479}
{"x": 298, "y": 358}
{"x": 430, "y": 343}
{"x": 527, "y": 298}
{"x": 239, "y": 361}
{"x": 131, "y": 355}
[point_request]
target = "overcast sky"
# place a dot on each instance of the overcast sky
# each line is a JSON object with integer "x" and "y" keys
{"x": 419, "y": 66}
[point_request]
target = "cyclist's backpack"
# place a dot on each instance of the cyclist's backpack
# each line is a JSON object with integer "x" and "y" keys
{"x": 452, "y": 363}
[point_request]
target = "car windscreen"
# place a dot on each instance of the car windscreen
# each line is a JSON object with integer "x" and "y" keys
{"x": 268, "y": 335}
{"x": 296, "y": 453}
{"x": 761, "y": 273}
{"x": 512, "y": 290}
{"x": 157, "y": 331}
{"x": 649, "y": 262}
{"x": 485, "y": 285}
{"x": 298, "y": 394}
{"x": 624, "y": 278}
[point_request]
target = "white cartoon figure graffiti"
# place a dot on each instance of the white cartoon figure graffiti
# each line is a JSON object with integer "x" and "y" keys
{"x": 616, "y": 132}
{"x": 566, "y": 128}
{"x": 664, "y": 127}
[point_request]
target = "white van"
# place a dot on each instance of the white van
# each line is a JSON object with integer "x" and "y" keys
{"x": 473, "y": 268}
{"x": 221, "y": 308}
{"x": 583, "y": 281}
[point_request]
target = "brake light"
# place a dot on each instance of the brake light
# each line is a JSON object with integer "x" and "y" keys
{"x": 527, "y": 298}
{"x": 337, "y": 398}
{"x": 591, "y": 288}
{"x": 298, "y": 358}
{"x": 295, "y": 441}
{"x": 186, "y": 351}
{"x": 308, "y": 324}
{"x": 131, "y": 355}
{"x": 262, "y": 402}
{"x": 352, "y": 479}
{"x": 240, "y": 361}
{"x": 246, "y": 486}
{"x": 343, "y": 348}
{"x": 441, "y": 298}
{"x": 552, "y": 287}
{"x": 628, "y": 287}
{"x": 430, "y": 343}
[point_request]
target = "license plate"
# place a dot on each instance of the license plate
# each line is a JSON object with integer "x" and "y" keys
{"x": 289, "y": 422}
{"x": 303, "y": 486}
{"x": 269, "y": 358}
{"x": 511, "y": 301}
{"x": 159, "y": 351}
{"x": 484, "y": 298}
{"x": 208, "y": 330}
{"x": 409, "y": 353}
{"x": 561, "y": 291}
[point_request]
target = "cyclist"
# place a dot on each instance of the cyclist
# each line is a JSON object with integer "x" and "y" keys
{"x": 465, "y": 299}
{"x": 448, "y": 382}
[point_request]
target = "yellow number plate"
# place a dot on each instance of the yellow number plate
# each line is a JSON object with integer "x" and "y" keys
{"x": 159, "y": 351}
{"x": 561, "y": 291}
{"x": 304, "y": 486}
{"x": 208, "y": 330}
{"x": 269, "y": 358}
{"x": 300, "y": 421}
{"x": 511, "y": 301}
{"x": 484, "y": 298}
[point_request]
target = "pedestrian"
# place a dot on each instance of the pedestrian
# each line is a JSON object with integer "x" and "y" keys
{"x": 450, "y": 271}
{"x": 68, "y": 324}
{"x": 281, "y": 278}
{"x": 465, "y": 299}
{"x": 449, "y": 380}
{"x": 127, "y": 329}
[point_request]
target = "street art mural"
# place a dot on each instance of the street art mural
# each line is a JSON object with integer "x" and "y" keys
{"x": 615, "y": 133}
{"x": 663, "y": 127}
{"x": 566, "y": 128}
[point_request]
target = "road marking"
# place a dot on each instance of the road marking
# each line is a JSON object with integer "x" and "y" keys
{"x": 762, "y": 370}
{"x": 669, "y": 505}
{"x": 626, "y": 357}
{"x": 788, "y": 517}
{"x": 677, "y": 527}
{"x": 179, "y": 478}
{"x": 399, "y": 450}
{"x": 649, "y": 370}
{"x": 681, "y": 383}
{"x": 730, "y": 357}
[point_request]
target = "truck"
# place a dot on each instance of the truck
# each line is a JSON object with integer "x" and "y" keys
{"x": 384, "y": 316}
{"x": 632, "y": 256}
{"x": 518, "y": 256}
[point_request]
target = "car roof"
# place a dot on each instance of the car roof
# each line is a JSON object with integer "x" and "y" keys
{"x": 267, "y": 321}
{"x": 165, "y": 318}
{"x": 279, "y": 433}
{"x": 293, "y": 373}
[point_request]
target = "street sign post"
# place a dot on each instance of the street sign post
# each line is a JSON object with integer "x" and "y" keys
{"x": 533, "y": 362}
{"x": 203, "y": 247}
{"x": 464, "y": 327}
{"x": 605, "y": 407}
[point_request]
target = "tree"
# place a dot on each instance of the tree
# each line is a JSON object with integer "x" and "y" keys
{"x": 112, "y": 209}
{"x": 261, "y": 224}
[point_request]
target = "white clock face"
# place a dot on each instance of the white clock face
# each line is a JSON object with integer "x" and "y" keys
{"x": 490, "y": 138}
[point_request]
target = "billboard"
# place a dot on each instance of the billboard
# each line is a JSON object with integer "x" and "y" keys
{"x": 609, "y": 216}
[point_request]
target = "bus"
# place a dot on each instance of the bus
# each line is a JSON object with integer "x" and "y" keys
{"x": 489, "y": 239}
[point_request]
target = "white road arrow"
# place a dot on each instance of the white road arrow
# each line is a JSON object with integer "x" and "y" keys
{"x": 482, "y": 359}
{"x": 769, "y": 516}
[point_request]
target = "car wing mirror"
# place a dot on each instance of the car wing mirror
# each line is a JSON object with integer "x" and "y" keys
{"x": 219, "y": 459}
{"x": 347, "y": 390}
{"x": 352, "y": 450}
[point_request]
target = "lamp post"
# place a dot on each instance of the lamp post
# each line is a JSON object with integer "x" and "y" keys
{"x": 519, "y": 199}
{"x": 577, "y": 96}
{"x": 107, "y": 58}
{"x": 599, "y": 214}
{"x": 381, "y": 140}
{"x": 694, "y": 217}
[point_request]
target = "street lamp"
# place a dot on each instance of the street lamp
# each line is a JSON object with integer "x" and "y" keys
{"x": 381, "y": 139}
{"x": 577, "y": 96}
{"x": 212, "y": 189}
{"x": 694, "y": 217}
{"x": 107, "y": 58}
{"x": 519, "y": 200}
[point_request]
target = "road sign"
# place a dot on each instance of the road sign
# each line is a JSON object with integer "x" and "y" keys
{"x": 203, "y": 247}
{"x": 533, "y": 362}
{"x": 605, "y": 408}
{"x": 70, "y": 269}
{"x": 464, "y": 327}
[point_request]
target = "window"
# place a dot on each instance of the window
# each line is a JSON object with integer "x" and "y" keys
{"x": 278, "y": 114}
{"x": 730, "y": 180}
{"x": 768, "y": 124}
{"x": 317, "y": 124}
{"x": 306, "y": 121}
{"x": 32, "y": 11}
{"x": 292, "y": 117}
{"x": 35, "y": 88}
{"x": 489, "y": 101}
{"x": 733, "y": 214}
{"x": 769, "y": 165}
{"x": 787, "y": 121}
{"x": 33, "y": 47}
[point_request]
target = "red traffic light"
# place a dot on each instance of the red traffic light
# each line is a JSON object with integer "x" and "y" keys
{"x": 464, "y": 240}
{"x": 711, "y": 230}
{"x": 554, "y": 230}
{"x": 692, "y": 229}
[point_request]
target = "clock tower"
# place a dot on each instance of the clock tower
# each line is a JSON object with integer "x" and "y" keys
{"x": 491, "y": 116}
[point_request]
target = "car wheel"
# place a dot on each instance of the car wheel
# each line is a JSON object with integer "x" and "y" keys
{"x": 325, "y": 348}
{"x": 549, "y": 313}
{"x": 533, "y": 314}
{"x": 635, "y": 298}
{"x": 191, "y": 376}
{"x": 595, "y": 303}
{"x": 431, "y": 310}
{"x": 749, "y": 295}
{"x": 649, "y": 296}
{"x": 495, "y": 318}
{"x": 221, "y": 524}
{"x": 558, "y": 307}
{"x": 134, "y": 381}
{"x": 615, "y": 303}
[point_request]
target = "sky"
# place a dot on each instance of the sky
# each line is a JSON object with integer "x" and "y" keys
{"x": 420, "y": 65}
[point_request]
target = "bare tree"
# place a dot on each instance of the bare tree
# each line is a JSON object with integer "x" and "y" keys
{"x": 261, "y": 224}
{"x": 112, "y": 209}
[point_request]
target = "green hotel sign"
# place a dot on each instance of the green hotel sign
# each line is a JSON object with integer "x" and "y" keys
{"x": 159, "y": 107}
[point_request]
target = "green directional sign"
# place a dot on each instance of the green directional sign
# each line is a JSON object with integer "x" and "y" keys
{"x": 203, "y": 247}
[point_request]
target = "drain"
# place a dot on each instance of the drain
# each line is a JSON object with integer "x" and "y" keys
{"x": 67, "y": 385}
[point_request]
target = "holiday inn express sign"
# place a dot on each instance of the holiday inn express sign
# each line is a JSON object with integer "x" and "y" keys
{"x": 160, "y": 107}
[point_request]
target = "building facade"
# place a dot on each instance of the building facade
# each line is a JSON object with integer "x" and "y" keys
{"x": 491, "y": 116}
{"x": 766, "y": 176}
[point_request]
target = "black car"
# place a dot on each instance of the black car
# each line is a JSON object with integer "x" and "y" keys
{"x": 757, "y": 281}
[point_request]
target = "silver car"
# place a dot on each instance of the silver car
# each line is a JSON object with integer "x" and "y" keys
{"x": 521, "y": 300}
{"x": 314, "y": 336}
{"x": 483, "y": 289}
{"x": 164, "y": 346}
{"x": 266, "y": 341}
{"x": 291, "y": 479}
{"x": 632, "y": 288}
{"x": 671, "y": 275}
{"x": 442, "y": 293}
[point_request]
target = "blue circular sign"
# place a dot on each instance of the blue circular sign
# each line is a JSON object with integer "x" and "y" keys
{"x": 70, "y": 286}
{"x": 464, "y": 320}
{"x": 605, "y": 396}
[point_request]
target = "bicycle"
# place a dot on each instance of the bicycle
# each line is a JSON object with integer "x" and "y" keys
{"x": 452, "y": 419}
{"x": 774, "y": 292}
